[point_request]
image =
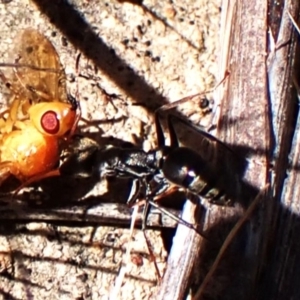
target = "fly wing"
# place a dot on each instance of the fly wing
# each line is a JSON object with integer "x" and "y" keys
{"x": 38, "y": 74}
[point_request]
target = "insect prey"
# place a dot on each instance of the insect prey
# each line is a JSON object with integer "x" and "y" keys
{"x": 40, "y": 113}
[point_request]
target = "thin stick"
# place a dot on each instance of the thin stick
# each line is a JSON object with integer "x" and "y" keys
{"x": 294, "y": 22}
{"x": 185, "y": 99}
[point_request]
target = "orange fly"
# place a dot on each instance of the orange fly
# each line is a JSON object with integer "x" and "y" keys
{"x": 40, "y": 115}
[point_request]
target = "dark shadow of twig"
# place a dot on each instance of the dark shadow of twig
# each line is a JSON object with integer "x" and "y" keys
{"x": 71, "y": 23}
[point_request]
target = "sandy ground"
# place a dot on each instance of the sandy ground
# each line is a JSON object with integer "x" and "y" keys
{"x": 136, "y": 57}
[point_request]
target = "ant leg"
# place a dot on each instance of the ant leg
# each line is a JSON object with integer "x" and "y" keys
{"x": 149, "y": 246}
{"x": 178, "y": 219}
{"x": 173, "y": 136}
{"x": 134, "y": 193}
{"x": 158, "y": 194}
{"x": 145, "y": 214}
{"x": 156, "y": 197}
{"x": 172, "y": 216}
{"x": 159, "y": 131}
{"x": 200, "y": 130}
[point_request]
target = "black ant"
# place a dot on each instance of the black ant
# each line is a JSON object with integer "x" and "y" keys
{"x": 167, "y": 168}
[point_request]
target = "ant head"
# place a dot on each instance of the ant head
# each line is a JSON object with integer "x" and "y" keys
{"x": 108, "y": 159}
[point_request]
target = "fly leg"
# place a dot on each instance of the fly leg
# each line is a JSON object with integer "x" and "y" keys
{"x": 13, "y": 110}
{"x": 5, "y": 171}
{"x": 36, "y": 178}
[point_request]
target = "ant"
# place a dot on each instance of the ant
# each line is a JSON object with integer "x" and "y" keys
{"x": 173, "y": 167}
{"x": 41, "y": 114}
{"x": 166, "y": 169}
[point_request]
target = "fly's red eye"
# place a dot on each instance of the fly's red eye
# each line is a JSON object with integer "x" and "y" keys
{"x": 49, "y": 122}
